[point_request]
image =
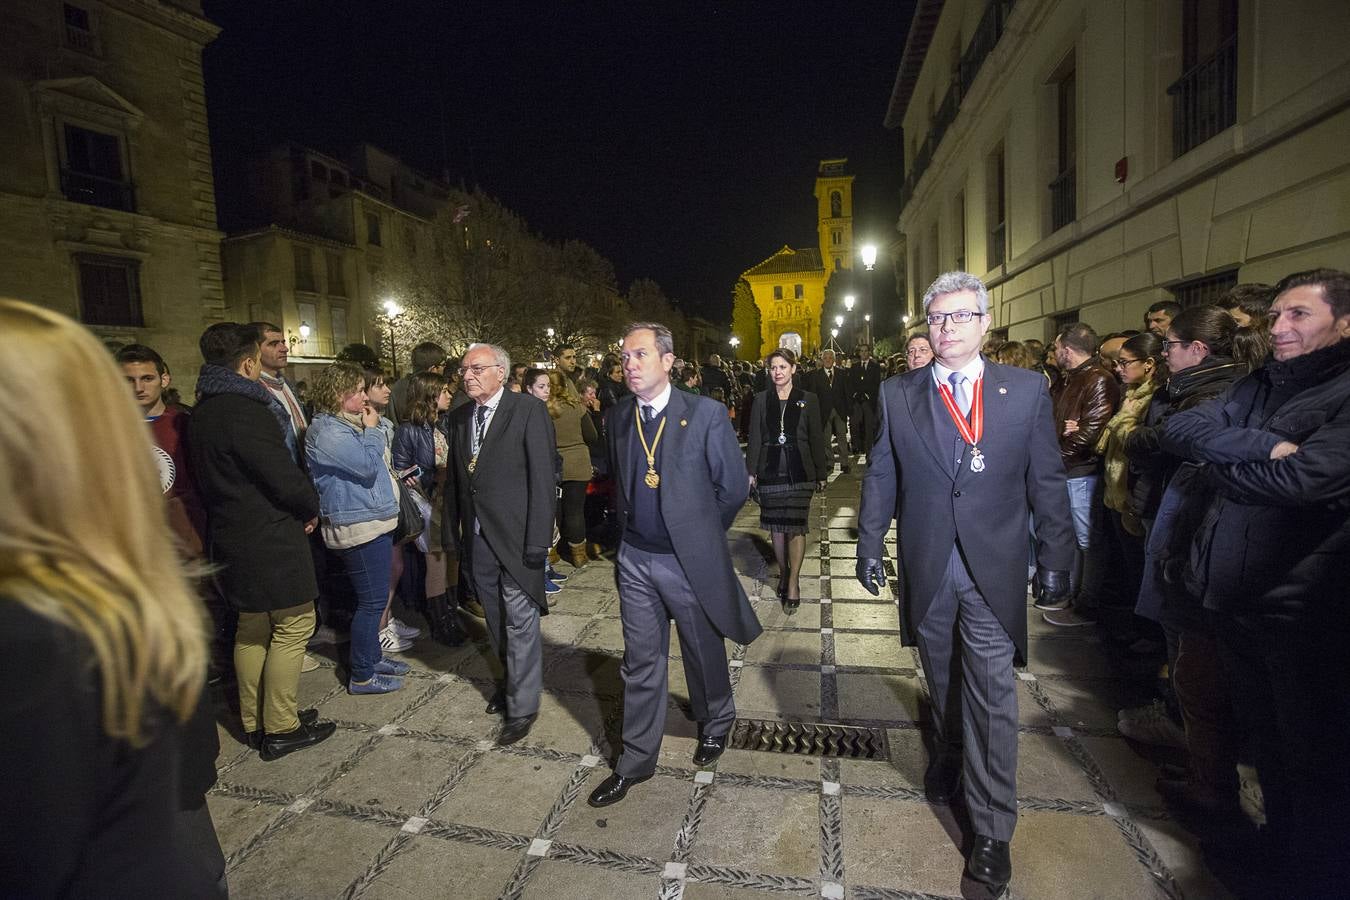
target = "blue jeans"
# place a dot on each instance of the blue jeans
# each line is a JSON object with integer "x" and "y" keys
{"x": 368, "y": 567}
{"x": 1082, "y": 497}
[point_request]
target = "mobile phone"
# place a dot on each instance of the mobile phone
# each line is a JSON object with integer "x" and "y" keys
{"x": 411, "y": 472}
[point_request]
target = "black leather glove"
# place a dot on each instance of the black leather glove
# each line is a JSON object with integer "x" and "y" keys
{"x": 1054, "y": 585}
{"x": 870, "y": 574}
{"x": 535, "y": 557}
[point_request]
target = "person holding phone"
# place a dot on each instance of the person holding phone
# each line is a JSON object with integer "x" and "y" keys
{"x": 358, "y": 501}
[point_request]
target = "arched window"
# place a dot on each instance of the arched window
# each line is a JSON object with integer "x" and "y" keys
{"x": 836, "y": 204}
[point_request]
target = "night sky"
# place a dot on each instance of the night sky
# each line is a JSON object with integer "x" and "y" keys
{"x": 680, "y": 140}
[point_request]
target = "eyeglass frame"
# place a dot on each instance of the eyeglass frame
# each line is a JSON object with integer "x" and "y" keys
{"x": 479, "y": 369}
{"x": 1122, "y": 363}
{"x": 943, "y": 317}
{"x": 1166, "y": 344}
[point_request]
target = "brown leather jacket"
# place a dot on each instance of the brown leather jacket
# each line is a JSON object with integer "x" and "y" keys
{"x": 1090, "y": 395}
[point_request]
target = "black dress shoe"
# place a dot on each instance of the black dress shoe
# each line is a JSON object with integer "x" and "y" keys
{"x": 514, "y": 730}
{"x": 942, "y": 779}
{"x": 275, "y": 746}
{"x": 496, "y": 704}
{"x": 709, "y": 748}
{"x": 254, "y": 739}
{"x": 613, "y": 789}
{"x": 989, "y": 862}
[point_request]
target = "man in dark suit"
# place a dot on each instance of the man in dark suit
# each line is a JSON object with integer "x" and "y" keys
{"x": 499, "y": 500}
{"x": 832, "y": 386}
{"x": 866, "y": 377}
{"x": 967, "y": 451}
{"x": 678, "y": 470}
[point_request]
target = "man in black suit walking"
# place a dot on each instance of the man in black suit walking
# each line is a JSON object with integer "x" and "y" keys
{"x": 832, "y": 386}
{"x": 499, "y": 502}
{"x": 967, "y": 451}
{"x": 866, "y": 377}
{"x": 679, "y": 471}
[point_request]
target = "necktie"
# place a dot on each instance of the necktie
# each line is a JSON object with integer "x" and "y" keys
{"x": 647, "y": 413}
{"x": 481, "y": 414}
{"x": 959, "y": 392}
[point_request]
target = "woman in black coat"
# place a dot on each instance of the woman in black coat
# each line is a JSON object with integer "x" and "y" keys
{"x": 788, "y": 462}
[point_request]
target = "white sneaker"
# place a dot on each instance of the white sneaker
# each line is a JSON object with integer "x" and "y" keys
{"x": 309, "y": 664}
{"x": 1154, "y": 727}
{"x": 403, "y": 629}
{"x": 390, "y": 642}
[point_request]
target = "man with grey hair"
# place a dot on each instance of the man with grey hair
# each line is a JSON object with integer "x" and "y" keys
{"x": 678, "y": 471}
{"x": 831, "y": 385}
{"x": 966, "y": 453}
{"x": 499, "y": 500}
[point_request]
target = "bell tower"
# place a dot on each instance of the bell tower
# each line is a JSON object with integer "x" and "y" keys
{"x": 834, "y": 214}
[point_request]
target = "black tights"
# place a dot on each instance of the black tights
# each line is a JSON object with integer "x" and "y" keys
{"x": 572, "y": 512}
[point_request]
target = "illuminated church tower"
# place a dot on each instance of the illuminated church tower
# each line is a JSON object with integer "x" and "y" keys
{"x": 789, "y": 287}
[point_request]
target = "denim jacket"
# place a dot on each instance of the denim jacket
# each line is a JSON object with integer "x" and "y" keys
{"x": 349, "y": 472}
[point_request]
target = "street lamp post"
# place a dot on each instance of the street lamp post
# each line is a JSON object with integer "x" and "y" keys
{"x": 869, "y": 259}
{"x": 391, "y": 312}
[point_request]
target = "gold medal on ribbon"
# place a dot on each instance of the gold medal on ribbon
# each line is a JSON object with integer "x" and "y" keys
{"x": 651, "y": 479}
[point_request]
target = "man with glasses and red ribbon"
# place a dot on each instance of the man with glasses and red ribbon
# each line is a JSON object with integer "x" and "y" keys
{"x": 966, "y": 451}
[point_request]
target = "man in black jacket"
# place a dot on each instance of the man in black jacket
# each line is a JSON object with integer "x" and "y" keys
{"x": 260, "y": 506}
{"x": 866, "y": 377}
{"x": 499, "y": 501}
{"x": 831, "y": 385}
{"x": 1269, "y": 561}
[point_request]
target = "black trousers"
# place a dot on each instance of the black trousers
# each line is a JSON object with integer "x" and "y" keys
{"x": 572, "y": 512}
{"x": 1290, "y": 687}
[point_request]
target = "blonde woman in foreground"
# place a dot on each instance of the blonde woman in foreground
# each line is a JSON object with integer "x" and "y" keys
{"x": 106, "y": 751}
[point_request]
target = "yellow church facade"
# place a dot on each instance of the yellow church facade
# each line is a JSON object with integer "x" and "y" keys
{"x": 789, "y": 286}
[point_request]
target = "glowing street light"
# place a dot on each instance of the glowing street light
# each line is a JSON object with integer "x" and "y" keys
{"x": 549, "y": 332}
{"x": 869, "y": 256}
{"x": 839, "y": 320}
{"x": 849, "y": 300}
{"x": 391, "y": 312}
{"x": 867, "y": 317}
{"x": 304, "y": 331}
{"x": 734, "y": 342}
{"x": 834, "y": 332}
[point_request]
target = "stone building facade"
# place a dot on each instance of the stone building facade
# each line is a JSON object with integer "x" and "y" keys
{"x": 1087, "y": 159}
{"x": 107, "y": 202}
{"x": 322, "y": 242}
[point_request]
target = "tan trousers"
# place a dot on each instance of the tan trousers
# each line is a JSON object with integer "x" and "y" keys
{"x": 269, "y": 649}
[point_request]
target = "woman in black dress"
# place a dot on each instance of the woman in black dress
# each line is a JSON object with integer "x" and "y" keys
{"x": 788, "y": 462}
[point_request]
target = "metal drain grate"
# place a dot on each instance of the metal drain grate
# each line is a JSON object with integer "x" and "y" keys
{"x": 809, "y": 739}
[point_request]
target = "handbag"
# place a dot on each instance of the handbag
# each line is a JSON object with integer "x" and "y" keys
{"x": 410, "y": 521}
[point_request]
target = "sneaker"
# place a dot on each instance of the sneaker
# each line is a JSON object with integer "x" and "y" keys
{"x": 404, "y": 630}
{"x": 1157, "y": 730}
{"x": 388, "y": 666}
{"x": 390, "y": 642}
{"x": 1066, "y": 603}
{"x": 310, "y": 664}
{"x": 554, "y": 575}
{"x": 378, "y": 684}
{"x": 1067, "y": 618}
{"x": 550, "y": 586}
{"x": 473, "y": 608}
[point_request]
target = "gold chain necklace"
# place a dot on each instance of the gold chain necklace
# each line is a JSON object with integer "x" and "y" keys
{"x": 651, "y": 479}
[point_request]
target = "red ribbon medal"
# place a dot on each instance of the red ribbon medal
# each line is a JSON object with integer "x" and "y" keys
{"x": 973, "y": 430}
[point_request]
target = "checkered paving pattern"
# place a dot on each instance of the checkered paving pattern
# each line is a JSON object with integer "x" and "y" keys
{"x": 411, "y": 797}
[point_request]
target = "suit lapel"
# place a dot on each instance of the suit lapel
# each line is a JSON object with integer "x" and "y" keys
{"x": 623, "y": 443}
{"x": 506, "y": 408}
{"x": 921, "y": 394}
{"x": 677, "y": 412}
{"x": 995, "y": 415}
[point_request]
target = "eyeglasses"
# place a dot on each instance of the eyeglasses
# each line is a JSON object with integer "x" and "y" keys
{"x": 478, "y": 370}
{"x": 1168, "y": 344}
{"x": 960, "y": 317}
{"x": 1121, "y": 362}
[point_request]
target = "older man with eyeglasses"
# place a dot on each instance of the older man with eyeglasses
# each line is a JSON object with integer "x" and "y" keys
{"x": 499, "y": 501}
{"x": 966, "y": 452}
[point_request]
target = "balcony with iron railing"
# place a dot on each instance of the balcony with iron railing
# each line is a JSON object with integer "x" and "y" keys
{"x": 1204, "y": 99}
{"x": 987, "y": 34}
{"x": 96, "y": 190}
{"x": 1063, "y": 199}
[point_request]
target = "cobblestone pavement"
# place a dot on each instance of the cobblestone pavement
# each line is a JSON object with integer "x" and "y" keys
{"x": 411, "y": 798}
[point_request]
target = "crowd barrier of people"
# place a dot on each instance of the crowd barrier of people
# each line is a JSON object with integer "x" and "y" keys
{"x": 1184, "y": 489}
